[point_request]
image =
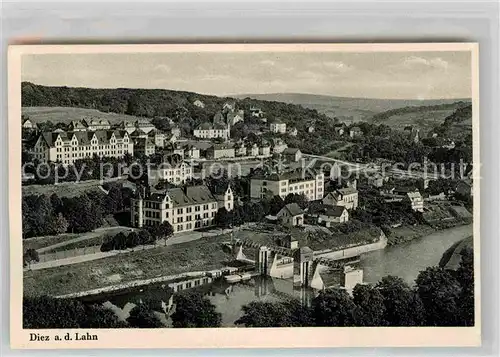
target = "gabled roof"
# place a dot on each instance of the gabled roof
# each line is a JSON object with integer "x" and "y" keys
{"x": 191, "y": 195}
{"x": 347, "y": 191}
{"x": 290, "y": 151}
{"x": 277, "y": 121}
{"x": 334, "y": 211}
{"x": 293, "y": 209}
{"x": 143, "y": 122}
{"x": 174, "y": 160}
{"x": 414, "y": 195}
{"x": 138, "y": 132}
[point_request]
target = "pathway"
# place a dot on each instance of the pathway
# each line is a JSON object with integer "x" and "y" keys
{"x": 176, "y": 239}
{"x": 85, "y": 236}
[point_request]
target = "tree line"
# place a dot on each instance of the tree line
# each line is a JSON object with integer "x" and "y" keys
{"x": 146, "y": 236}
{"x": 50, "y": 215}
{"x": 440, "y": 297}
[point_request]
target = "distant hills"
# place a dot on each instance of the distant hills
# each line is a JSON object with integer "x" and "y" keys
{"x": 351, "y": 109}
{"x": 300, "y": 110}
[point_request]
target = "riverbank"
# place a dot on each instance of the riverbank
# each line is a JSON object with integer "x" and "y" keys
{"x": 408, "y": 259}
{"x": 200, "y": 255}
{"x": 405, "y": 234}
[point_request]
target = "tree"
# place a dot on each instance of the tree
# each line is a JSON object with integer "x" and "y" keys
{"x": 275, "y": 314}
{"x": 440, "y": 293}
{"x": 31, "y": 255}
{"x": 145, "y": 237}
{"x": 299, "y": 199}
{"x": 224, "y": 218}
{"x": 142, "y": 317}
{"x": 82, "y": 214}
{"x": 333, "y": 307}
{"x": 403, "y": 306}
{"x": 45, "y": 312}
{"x": 120, "y": 241}
{"x": 192, "y": 309}
{"x": 132, "y": 240}
{"x": 276, "y": 203}
{"x": 165, "y": 230}
{"x": 465, "y": 277}
{"x": 370, "y": 307}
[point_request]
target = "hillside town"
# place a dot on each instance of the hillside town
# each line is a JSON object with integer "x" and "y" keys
{"x": 165, "y": 208}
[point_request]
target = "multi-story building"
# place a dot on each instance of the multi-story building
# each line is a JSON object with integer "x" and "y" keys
{"x": 278, "y": 145}
{"x": 256, "y": 112}
{"x": 299, "y": 181}
{"x": 240, "y": 149}
{"x": 219, "y": 151}
{"x": 191, "y": 151}
{"x": 277, "y": 126}
{"x": 292, "y": 154}
{"x": 173, "y": 169}
{"x": 355, "y": 131}
{"x": 198, "y": 103}
{"x": 347, "y": 197}
{"x": 76, "y": 125}
{"x": 211, "y": 131}
{"x": 67, "y": 147}
{"x": 186, "y": 208}
{"x": 254, "y": 150}
{"x": 28, "y": 124}
{"x": 265, "y": 149}
{"x": 144, "y": 125}
{"x": 415, "y": 201}
{"x": 96, "y": 124}
{"x": 235, "y": 117}
{"x": 293, "y": 131}
{"x": 144, "y": 146}
{"x": 129, "y": 127}
{"x": 158, "y": 137}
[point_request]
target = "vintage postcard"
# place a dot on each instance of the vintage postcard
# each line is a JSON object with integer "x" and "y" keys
{"x": 244, "y": 195}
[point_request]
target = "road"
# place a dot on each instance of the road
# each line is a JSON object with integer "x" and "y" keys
{"x": 177, "y": 239}
{"x": 85, "y": 236}
{"x": 372, "y": 168}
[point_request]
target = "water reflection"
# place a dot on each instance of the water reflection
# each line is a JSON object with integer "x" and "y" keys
{"x": 405, "y": 260}
{"x": 228, "y": 298}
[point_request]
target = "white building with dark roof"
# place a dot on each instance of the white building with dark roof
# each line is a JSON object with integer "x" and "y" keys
{"x": 173, "y": 169}
{"x": 333, "y": 214}
{"x": 67, "y": 147}
{"x": 96, "y": 124}
{"x": 211, "y": 131}
{"x": 307, "y": 182}
{"x": 291, "y": 215}
{"x": 347, "y": 197}
{"x": 277, "y": 126}
{"x": 186, "y": 209}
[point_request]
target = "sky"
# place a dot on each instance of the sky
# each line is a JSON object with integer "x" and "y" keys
{"x": 393, "y": 75}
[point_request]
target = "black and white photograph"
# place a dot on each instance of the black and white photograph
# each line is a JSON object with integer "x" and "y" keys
{"x": 248, "y": 188}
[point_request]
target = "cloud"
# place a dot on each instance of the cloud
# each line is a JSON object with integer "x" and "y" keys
{"x": 162, "y": 68}
{"x": 267, "y": 62}
{"x": 336, "y": 66}
{"x": 414, "y": 61}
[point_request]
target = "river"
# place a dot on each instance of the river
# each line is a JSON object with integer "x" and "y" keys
{"x": 405, "y": 260}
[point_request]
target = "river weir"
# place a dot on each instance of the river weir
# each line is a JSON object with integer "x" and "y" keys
{"x": 404, "y": 260}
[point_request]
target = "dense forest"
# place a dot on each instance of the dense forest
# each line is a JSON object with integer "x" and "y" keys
{"x": 158, "y": 103}
{"x": 416, "y": 109}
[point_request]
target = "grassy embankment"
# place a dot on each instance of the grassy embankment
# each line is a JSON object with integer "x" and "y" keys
{"x": 202, "y": 254}
{"x": 316, "y": 239}
{"x": 438, "y": 216}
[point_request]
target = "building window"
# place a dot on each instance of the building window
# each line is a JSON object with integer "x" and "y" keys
{"x": 179, "y": 211}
